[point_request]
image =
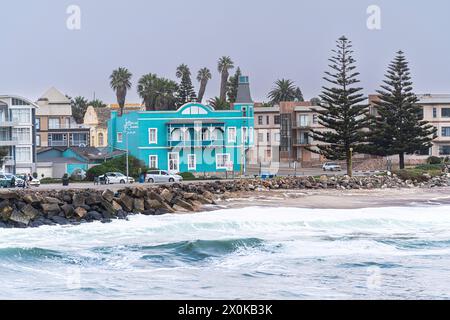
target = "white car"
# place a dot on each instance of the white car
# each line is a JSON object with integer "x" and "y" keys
{"x": 161, "y": 176}
{"x": 116, "y": 177}
{"x": 331, "y": 166}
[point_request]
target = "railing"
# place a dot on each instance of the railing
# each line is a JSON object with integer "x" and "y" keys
{"x": 77, "y": 143}
{"x": 66, "y": 126}
{"x": 301, "y": 124}
{"x": 302, "y": 142}
{"x": 8, "y": 161}
{"x": 8, "y": 123}
{"x": 7, "y": 141}
{"x": 196, "y": 143}
{"x": 57, "y": 144}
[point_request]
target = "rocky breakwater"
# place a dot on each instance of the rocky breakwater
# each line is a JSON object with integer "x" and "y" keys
{"x": 21, "y": 209}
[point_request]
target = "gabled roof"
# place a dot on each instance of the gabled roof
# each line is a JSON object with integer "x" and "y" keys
{"x": 54, "y": 96}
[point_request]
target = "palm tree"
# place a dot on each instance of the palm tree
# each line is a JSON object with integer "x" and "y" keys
{"x": 224, "y": 65}
{"x": 147, "y": 91}
{"x": 79, "y": 106}
{"x": 157, "y": 93}
{"x": 120, "y": 83}
{"x": 219, "y": 104}
{"x": 97, "y": 103}
{"x": 203, "y": 76}
{"x": 284, "y": 90}
{"x": 183, "y": 70}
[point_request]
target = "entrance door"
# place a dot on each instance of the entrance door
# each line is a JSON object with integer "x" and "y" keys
{"x": 174, "y": 162}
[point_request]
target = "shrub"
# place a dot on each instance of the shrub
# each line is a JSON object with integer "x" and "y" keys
{"x": 118, "y": 164}
{"x": 187, "y": 176}
{"x": 35, "y": 175}
{"x": 434, "y": 160}
{"x": 429, "y": 167}
{"x": 50, "y": 181}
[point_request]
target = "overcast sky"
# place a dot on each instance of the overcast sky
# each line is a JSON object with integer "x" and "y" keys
{"x": 267, "y": 39}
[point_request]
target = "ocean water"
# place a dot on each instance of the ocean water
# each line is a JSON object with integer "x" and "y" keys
{"x": 247, "y": 253}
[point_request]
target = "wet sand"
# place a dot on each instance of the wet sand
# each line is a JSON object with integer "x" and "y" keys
{"x": 340, "y": 199}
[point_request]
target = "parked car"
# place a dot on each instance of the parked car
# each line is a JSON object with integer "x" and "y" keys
{"x": 20, "y": 179}
{"x": 162, "y": 176}
{"x": 331, "y": 166}
{"x": 115, "y": 177}
{"x": 6, "y": 181}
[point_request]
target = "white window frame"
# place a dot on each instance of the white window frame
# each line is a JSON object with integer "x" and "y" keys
{"x": 192, "y": 168}
{"x": 119, "y": 137}
{"x": 225, "y": 164}
{"x": 150, "y": 141}
{"x": 16, "y": 137}
{"x": 156, "y": 161}
{"x": 230, "y": 140}
{"x": 244, "y": 134}
{"x": 31, "y": 154}
{"x": 251, "y": 135}
{"x": 18, "y": 120}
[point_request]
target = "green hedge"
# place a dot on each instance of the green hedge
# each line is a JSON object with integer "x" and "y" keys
{"x": 188, "y": 176}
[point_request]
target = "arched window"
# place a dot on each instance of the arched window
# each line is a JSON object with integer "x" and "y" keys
{"x": 101, "y": 141}
{"x": 176, "y": 135}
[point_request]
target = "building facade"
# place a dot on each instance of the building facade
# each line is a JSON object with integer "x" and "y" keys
{"x": 282, "y": 134}
{"x": 436, "y": 110}
{"x": 195, "y": 138}
{"x": 96, "y": 119}
{"x": 55, "y": 124}
{"x": 17, "y": 134}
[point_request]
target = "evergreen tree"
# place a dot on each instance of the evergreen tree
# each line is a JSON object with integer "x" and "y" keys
{"x": 341, "y": 112}
{"x": 186, "y": 92}
{"x": 398, "y": 127}
{"x": 233, "y": 85}
{"x": 299, "y": 95}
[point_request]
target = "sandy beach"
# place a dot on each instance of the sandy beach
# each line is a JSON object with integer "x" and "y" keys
{"x": 340, "y": 199}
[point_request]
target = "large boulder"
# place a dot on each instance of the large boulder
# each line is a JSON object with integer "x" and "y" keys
{"x": 30, "y": 212}
{"x": 184, "y": 204}
{"x": 108, "y": 195}
{"x": 50, "y": 209}
{"x": 8, "y": 194}
{"x": 53, "y": 200}
{"x": 20, "y": 217}
{"x": 126, "y": 202}
{"x": 78, "y": 200}
{"x": 32, "y": 198}
{"x": 139, "y": 205}
{"x": 80, "y": 212}
{"x": 68, "y": 210}
{"x": 167, "y": 195}
{"x": 5, "y": 210}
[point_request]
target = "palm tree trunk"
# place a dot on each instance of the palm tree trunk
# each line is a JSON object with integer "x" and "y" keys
{"x": 223, "y": 85}
{"x": 202, "y": 90}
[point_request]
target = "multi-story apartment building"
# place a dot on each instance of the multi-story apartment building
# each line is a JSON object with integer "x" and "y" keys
{"x": 282, "y": 134}
{"x": 55, "y": 124}
{"x": 194, "y": 138}
{"x": 17, "y": 134}
{"x": 436, "y": 110}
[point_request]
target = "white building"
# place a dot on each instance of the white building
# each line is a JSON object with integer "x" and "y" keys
{"x": 18, "y": 134}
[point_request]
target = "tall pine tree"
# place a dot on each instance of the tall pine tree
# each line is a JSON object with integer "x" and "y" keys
{"x": 233, "y": 85}
{"x": 186, "y": 92}
{"x": 399, "y": 129}
{"x": 341, "y": 114}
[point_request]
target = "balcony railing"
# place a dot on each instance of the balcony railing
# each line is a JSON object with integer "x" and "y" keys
{"x": 8, "y": 123}
{"x": 8, "y": 161}
{"x": 66, "y": 126}
{"x": 77, "y": 143}
{"x": 57, "y": 144}
{"x": 301, "y": 124}
{"x": 196, "y": 143}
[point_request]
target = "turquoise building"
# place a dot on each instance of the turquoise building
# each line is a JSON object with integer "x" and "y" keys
{"x": 195, "y": 138}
